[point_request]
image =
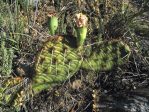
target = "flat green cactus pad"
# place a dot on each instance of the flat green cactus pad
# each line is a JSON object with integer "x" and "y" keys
{"x": 14, "y": 93}
{"x": 106, "y": 55}
{"x": 57, "y": 61}
{"x": 10, "y": 89}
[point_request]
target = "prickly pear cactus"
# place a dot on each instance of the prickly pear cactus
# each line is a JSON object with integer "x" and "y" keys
{"x": 106, "y": 55}
{"x": 57, "y": 61}
{"x": 9, "y": 89}
{"x": 14, "y": 92}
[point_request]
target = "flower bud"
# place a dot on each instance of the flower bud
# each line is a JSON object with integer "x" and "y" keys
{"x": 81, "y": 28}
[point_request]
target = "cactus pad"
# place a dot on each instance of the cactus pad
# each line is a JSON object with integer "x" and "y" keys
{"x": 57, "y": 61}
{"x": 106, "y": 55}
{"x": 9, "y": 89}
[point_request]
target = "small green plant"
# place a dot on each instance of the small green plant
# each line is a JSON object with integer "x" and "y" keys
{"x": 6, "y": 57}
